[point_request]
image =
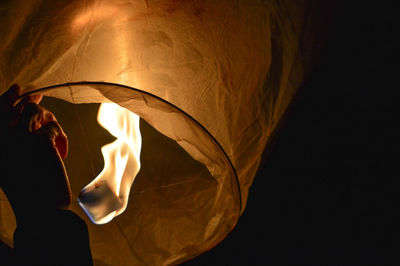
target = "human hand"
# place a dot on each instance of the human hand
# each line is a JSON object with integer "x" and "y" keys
{"x": 32, "y": 145}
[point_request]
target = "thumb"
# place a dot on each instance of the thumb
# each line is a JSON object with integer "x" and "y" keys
{"x": 53, "y": 146}
{"x": 54, "y": 132}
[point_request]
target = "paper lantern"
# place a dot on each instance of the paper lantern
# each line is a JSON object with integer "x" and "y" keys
{"x": 215, "y": 77}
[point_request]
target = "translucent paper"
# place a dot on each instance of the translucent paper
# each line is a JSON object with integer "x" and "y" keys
{"x": 214, "y": 76}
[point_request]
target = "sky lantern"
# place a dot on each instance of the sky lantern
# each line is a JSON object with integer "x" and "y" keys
{"x": 210, "y": 79}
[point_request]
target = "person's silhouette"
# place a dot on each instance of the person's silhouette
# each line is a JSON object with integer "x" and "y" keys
{"x": 34, "y": 179}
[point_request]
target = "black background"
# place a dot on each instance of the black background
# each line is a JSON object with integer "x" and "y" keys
{"x": 327, "y": 191}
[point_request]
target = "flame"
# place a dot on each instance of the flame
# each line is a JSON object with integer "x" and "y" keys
{"x": 107, "y": 195}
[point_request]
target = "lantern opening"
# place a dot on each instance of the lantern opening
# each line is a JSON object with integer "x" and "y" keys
{"x": 186, "y": 192}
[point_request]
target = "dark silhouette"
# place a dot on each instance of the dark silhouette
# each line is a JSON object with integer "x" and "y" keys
{"x": 34, "y": 179}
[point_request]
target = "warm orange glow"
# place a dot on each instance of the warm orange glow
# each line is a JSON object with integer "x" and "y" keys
{"x": 107, "y": 195}
{"x": 93, "y": 15}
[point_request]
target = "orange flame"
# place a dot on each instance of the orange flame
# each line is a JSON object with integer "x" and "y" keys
{"x": 107, "y": 195}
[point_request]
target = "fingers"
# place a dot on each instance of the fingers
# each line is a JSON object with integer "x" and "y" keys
{"x": 10, "y": 98}
{"x": 54, "y": 132}
{"x": 38, "y": 120}
{"x": 50, "y": 147}
{"x": 11, "y": 106}
{"x": 36, "y": 99}
{"x": 33, "y": 117}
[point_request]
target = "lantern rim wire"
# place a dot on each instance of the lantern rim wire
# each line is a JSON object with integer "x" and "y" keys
{"x": 103, "y": 83}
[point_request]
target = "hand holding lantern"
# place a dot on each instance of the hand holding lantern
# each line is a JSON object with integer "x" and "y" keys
{"x": 32, "y": 146}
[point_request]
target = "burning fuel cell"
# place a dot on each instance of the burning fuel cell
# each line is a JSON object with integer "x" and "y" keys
{"x": 99, "y": 201}
{"x": 107, "y": 195}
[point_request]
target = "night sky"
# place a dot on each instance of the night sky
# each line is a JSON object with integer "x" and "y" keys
{"x": 327, "y": 190}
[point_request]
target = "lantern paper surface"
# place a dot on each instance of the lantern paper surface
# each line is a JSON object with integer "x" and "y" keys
{"x": 213, "y": 76}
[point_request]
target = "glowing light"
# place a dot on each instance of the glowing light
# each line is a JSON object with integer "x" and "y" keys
{"x": 93, "y": 15}
{"x": 107, "y": 195}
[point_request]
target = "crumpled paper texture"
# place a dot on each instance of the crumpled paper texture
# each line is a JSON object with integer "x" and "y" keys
{"x": 215, "y": 76}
